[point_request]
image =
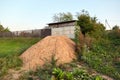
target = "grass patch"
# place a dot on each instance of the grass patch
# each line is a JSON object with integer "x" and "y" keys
{"x": 15, "y": 46}
{"x": 9, "y": 62}
{"x": 10, "y": 49}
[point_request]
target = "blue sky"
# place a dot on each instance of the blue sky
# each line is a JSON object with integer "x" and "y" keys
{"x": 35, "y": 14}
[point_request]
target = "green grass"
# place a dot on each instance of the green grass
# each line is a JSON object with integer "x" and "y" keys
{"x": 15, "y": 46}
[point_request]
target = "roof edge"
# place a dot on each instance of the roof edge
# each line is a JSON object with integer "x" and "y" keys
{"x": 61, "y": 22}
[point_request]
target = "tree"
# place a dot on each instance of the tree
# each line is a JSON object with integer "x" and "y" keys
{"x": 84, "y": 22}
{"x": 116, "y": 27}
{"x": 62, "y": 17}
{"x": 2, "y": 29}
{"x": 114, "y": 33}
{"x": 6, "y": 30}
{"x": 89, "y": 24}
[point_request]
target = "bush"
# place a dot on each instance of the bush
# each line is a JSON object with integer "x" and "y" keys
{"x": 76, "y": 74}
{"x": 114, "y": 34}
{"x": 101, "y": 58}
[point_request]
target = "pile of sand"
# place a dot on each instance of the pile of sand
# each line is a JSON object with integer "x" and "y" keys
{"x": 61, "y": 47}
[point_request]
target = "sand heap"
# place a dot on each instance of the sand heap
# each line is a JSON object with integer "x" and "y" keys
{"x": 61, "y": 47}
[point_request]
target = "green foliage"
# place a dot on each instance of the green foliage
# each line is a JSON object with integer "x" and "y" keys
{"x": 9, "y": 62}
{"x": 76, "y": 74}
{"x": 84, "y": 22}
{"x": 43, "y": 73}
{"x": 62, "y": 17}
{"x": 27, "y": 76}
{"x": 77, "y": 41}
{"x": 77, "y": 34}
{"x": 98, "y": 32}
{"x": 104, "y": 53}
{"x": 63, "y": 72}
{"x": 98, "y": 78}
{"x": 10, "y": 49}
{"x": 59, "y": 74}
{"x": 114, "y": 34}
{"x": 80, "y": 74}
{"x": 115, "y": 27}
{"x": 6, "y": 30}
{"x": 101, "y": 58}
{"x": 90, "y": 28}
{"x": 89, "y": 24}
{"x": 2, "y": 29}
{"x": 53, "y": 61}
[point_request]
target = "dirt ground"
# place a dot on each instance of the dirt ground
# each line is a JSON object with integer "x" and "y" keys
{"x": 60, "y": 47}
